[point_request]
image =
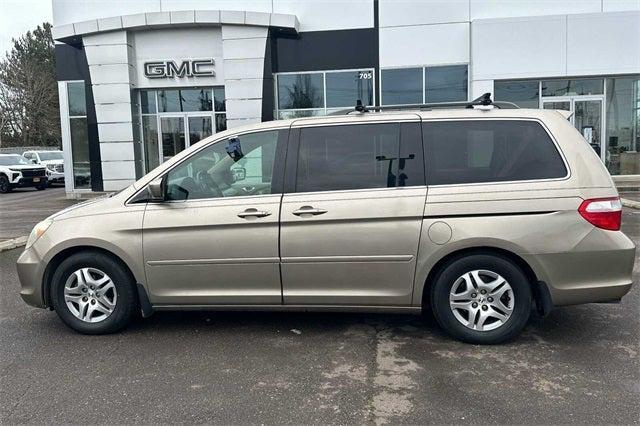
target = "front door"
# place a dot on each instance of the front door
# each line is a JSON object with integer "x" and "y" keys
{"x": 350, "y": 227}
{"x": 588, "y": 118}
{"x": 215, "y": 238}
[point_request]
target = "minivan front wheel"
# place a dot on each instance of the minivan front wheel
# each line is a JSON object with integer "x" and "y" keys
{"x": 93, "y": 293}
{"x": 482, "y": 299}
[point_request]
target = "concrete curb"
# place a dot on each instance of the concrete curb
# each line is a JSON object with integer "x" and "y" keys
{"x": 630, "y": 203}
{"x": 13, "y": 243}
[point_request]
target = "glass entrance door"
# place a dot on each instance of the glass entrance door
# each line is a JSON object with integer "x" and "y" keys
{"x": 173, "y": 136}
{"x": 588, "y": 118}
{"x": 180, "y": 132}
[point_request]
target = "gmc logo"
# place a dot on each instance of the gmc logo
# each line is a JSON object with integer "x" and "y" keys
{"x": 187, "y": 68}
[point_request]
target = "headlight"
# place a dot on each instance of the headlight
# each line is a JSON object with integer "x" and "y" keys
{"x": 37, "y": 232}
{"x": 51, "y": 167}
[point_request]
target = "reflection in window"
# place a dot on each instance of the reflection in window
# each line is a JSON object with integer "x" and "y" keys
{"x": 489, "y": 151}
{"x": 344, "y": 89}
{"x": 79, "y": 134}
{"x": 585, "y": 86}
{"x": 212, "y": 173}
{"x": 424, "y": 85}
{"x": 445, "y": 84}
{"x": 523, "y": 93}
{"x": 402, "y": 86}
{"x": 185, "y": 100}
{"x": 76, "y": 99}
{"x": 299, "y": 91}
{"x": 303, "y": 94}
{"x": 623, "y": 125}
{"x": 164, "y": 113}
{"x": 348, "y": 157}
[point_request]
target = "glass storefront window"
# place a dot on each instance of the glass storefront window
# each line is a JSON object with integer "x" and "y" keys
{"x": 525, "y": 94}
{"x": 623, "y": 124}
{"x": 445, "y": 84}
{"x": 401, "y": 86}
{"x": 76, "y": 99}
{"x": 300, "y": 91}
{"x": 573, "y": 87}
{"x": 185, "y": 100}
{"x": 150, "y": 138}
{"x": 322, "y": 92}
{"x": 344, "y": 89}
{"x": 425, "y": 84}
{"x": 79, "y": 134}
{"x": 174, "y": 119}
{"x": 606, "y": 111}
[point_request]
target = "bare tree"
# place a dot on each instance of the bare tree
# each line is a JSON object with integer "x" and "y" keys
{"x": 28, "y": 90}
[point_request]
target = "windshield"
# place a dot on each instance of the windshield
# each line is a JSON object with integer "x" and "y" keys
{"x": 50, "y": 155}
{"x": 13, "y": 160}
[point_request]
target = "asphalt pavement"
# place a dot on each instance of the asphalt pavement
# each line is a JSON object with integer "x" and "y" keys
{"x": 579, "y": 365}
{"x": 22, "y": 208}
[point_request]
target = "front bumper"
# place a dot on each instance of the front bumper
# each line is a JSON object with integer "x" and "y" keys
{"x": 30, "y": 268}
{"x": 25, "y": 182}
{"x": 55, "y": 177}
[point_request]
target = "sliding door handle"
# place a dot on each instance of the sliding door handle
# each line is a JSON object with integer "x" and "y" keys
{"x": 308, "y": 210}
{"x": 253, "y": 213}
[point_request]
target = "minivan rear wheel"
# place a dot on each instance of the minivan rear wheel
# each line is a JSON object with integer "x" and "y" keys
{"x": 482, "y": 298}
{"x": 93, "y": 293}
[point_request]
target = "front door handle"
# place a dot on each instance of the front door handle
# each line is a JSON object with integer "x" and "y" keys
{"x": 253, "y": 213}
{"x": 308, "y": 210}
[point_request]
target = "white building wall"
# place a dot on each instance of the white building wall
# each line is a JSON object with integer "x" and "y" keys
{"x": 555, "y": 46}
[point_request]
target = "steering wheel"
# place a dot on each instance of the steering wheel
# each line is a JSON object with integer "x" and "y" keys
{"x": 207, "y": 184}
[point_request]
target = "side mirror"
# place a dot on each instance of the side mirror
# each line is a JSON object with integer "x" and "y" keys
{"x": 156, "y": 190}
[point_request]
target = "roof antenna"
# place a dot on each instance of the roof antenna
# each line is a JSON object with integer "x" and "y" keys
{"x": 360, "y": 107}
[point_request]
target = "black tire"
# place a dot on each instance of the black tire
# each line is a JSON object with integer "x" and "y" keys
{"x": 126, "y": 305}
{"x": 522, "y": 298}
{"x": 5, "y": 186}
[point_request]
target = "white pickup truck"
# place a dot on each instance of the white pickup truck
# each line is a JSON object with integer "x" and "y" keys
{"x": 18, "y": 172}
{"x": 53, "y": 161}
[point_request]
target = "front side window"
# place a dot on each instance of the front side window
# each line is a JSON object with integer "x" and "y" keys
{"x": 239, "y": 166}
{"x": 362, "y": 156}
{"x": 458, "y": 152}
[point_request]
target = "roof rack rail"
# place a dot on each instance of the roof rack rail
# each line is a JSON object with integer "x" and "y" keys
{"x": 484, "y": 100}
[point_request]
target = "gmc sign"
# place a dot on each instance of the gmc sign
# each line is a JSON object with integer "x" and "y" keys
{"x": 186, "y": 68}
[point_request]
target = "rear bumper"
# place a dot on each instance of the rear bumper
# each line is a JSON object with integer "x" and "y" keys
{"x": 599, "y": 269}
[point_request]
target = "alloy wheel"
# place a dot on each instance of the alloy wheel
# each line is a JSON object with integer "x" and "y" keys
{"x": 481, "y": 300}
{"x": 90, "y": 295}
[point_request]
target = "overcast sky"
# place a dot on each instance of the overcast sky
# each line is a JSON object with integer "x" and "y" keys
{"x": 19, "y": 16}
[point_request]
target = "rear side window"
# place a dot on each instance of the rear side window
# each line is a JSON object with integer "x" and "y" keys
{"x": 475, "y": 151}
{"x": 361, "y": 156}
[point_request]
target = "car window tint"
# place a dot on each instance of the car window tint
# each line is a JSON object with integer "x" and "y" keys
{"x": 356, "y": 157}
{"x": 489, "y": 151}
{"x": 213, "y": 173}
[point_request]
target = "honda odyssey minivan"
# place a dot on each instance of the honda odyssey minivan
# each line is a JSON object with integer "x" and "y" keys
{"x": 478, "y": 214}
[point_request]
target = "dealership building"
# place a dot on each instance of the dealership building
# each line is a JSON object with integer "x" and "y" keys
{"x": 139, "y": 81}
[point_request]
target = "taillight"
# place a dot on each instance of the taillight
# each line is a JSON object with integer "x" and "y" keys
{"x": 604, "y": 213}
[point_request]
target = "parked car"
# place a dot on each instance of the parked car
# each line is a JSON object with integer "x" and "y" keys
{"x": 53, "y": 161}
{"x": 17, "y": 172}
{"x": 479, "y": 214}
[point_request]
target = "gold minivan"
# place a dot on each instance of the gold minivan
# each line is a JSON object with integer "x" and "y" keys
{"x": 479, "y": 214}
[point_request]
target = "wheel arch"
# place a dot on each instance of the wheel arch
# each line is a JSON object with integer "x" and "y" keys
{"x": 63, "y": 254}
{"x": 539, "y": 289}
